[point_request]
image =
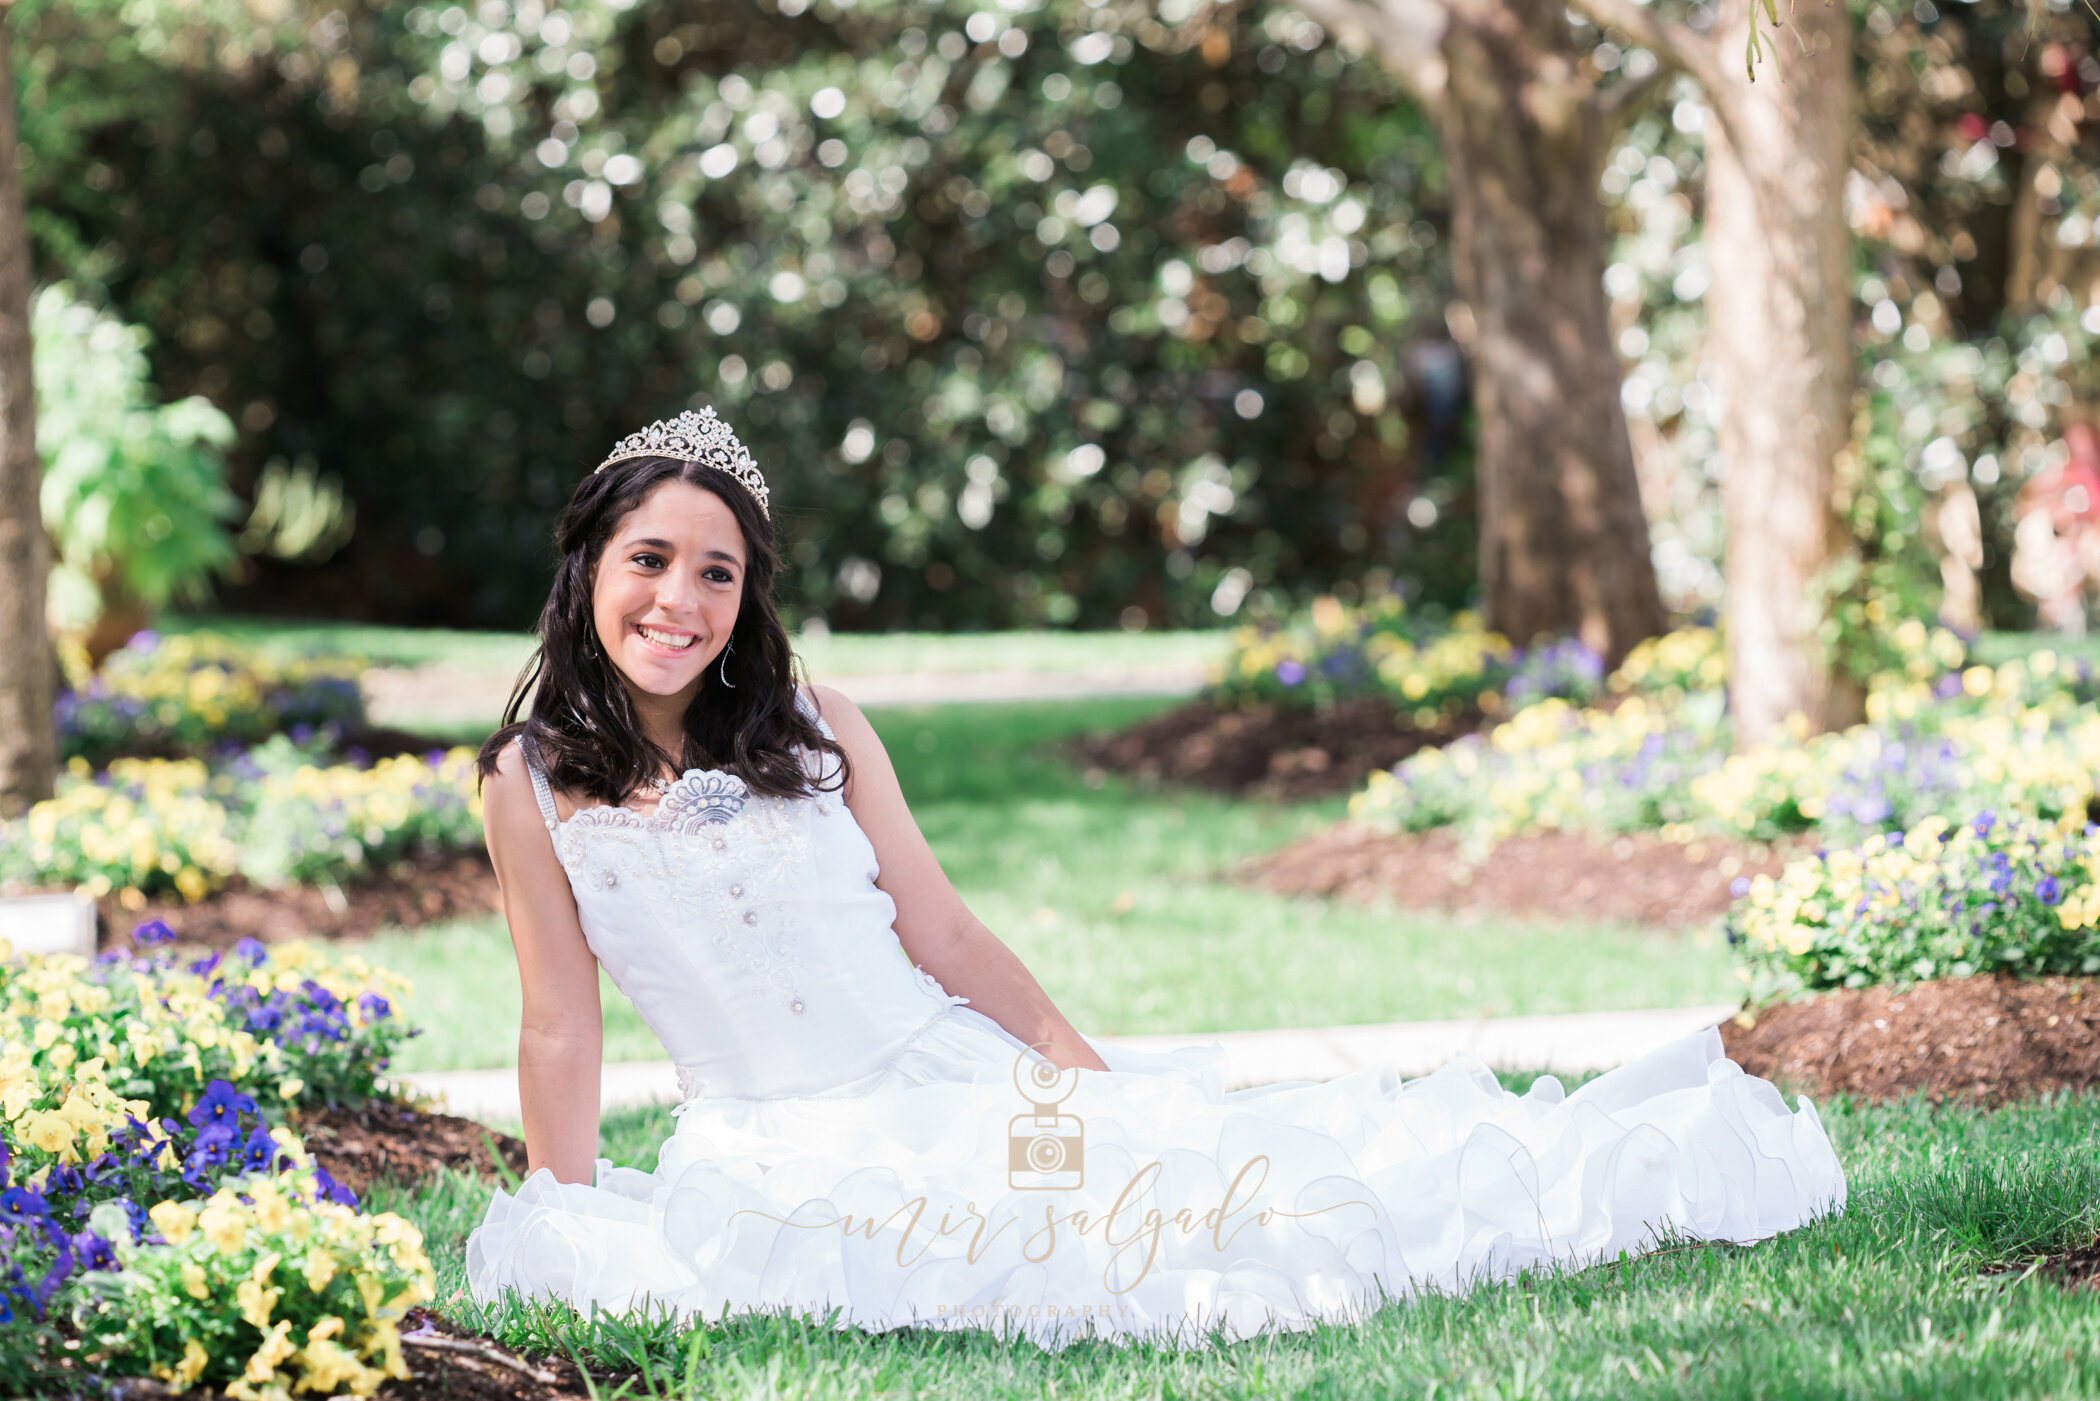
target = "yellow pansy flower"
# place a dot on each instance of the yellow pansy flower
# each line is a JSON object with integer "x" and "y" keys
{"x": 276, "y": 1347}
{"x": 272, "y": 1211}
{"x": 320, "y": 1269}
{"x": 183, "y": 1375}
{"x": 224, "y": 1223}
{"x": 174, "y": 1220}
{"x": 256, "y": 1301}
{"x": 330, "y": 1370}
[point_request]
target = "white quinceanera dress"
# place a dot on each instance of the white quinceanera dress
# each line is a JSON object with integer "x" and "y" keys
{"x": 855, "y": 1139}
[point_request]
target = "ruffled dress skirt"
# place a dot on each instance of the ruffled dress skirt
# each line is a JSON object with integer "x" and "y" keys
{"x": 949, "y": 1191}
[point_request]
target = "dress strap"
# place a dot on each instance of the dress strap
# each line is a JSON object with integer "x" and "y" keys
{"x": 540, "y": 790}
{"x": 808, "y": 707}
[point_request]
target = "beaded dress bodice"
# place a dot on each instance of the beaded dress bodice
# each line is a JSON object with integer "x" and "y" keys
{"x": 749, "y": 933}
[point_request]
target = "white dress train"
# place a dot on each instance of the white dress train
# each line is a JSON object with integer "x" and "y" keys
{"x": 856, "y": 1142}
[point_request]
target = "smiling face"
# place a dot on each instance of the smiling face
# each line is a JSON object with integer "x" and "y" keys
{"x": 667, "y": 590}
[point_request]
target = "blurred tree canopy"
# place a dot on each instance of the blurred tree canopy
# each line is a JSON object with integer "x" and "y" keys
{"x": 1973, "y": 201}
{"x": 1071, "y": 314}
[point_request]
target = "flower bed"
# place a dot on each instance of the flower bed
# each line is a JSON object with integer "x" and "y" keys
{"x": 2023, "y": 736}
{"x": 272, "y": 816}
{"x": 1673, "y": 666}
{"x": 158, "y": 1216}
{"x": 1419, "y": 665}
{"x": 1946, "y": 899}
{"x": 194, "y": 694}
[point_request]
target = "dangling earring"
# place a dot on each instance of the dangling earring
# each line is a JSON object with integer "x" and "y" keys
{"x": 724, "y": 668}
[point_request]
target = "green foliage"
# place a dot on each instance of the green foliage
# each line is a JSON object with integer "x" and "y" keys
{"x": 1033, "y": 318}
{"x": 134, "y": 492}
{"x": 1998, "y": 894}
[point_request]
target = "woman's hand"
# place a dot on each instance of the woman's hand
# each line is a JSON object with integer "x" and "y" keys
{"x": 561, "y": 1037}
{"x": 937, "y": 930}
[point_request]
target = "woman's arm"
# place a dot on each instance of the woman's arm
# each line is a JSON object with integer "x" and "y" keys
{"x": 561, "y": 1038}
{"x": 937, "y": 930}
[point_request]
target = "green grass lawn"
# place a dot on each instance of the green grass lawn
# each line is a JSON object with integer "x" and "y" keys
{"x": 1920, "y": 1289}
{"x": 1117, "y": 900}
{"x": 833, "y": 654}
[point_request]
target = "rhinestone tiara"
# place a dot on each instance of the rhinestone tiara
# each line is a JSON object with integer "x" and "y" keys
{"x": 695, "y": 437}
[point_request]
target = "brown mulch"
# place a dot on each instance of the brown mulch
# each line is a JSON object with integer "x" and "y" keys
{"x": 427, "y": 887}
{"x": 1638, "y": 879}
{"x": 375, "y": 742}
{"x": 1981, "y": 1040}
{"x": 2076, "y": 1269}
{"x": 392, "y": 1142}
{"x": 451, "y": 1362}
{"x": 1268, "y": 751}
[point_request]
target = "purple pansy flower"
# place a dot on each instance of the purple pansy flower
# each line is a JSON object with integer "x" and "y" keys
{"x": 221, "y": 1103}
{"x": 153, "y": 931}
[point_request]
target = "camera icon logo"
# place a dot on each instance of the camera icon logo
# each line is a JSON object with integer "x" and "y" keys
{"x": 1046, "y": 1149}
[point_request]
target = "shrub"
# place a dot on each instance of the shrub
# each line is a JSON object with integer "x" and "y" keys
{"x": 1946, "y": 899}
{"x": 1211, "y": 402}
{"x": 134, "y": 492}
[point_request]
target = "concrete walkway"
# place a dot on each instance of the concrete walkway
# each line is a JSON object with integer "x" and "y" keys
{"x": 1573, "y": 1044}
{"x": 935, "y": 688}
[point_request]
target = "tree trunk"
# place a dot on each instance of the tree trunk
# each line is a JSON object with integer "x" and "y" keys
{"x": 1563, "y": 541}
{"x": 1780, "y": 313}
{"x": 28, "y": 743}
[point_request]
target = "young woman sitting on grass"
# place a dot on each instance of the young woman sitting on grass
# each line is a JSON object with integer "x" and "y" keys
{"x": 885, "y": 1115}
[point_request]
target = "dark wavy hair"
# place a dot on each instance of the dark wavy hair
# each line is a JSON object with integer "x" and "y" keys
{"x": 582, "y": 721}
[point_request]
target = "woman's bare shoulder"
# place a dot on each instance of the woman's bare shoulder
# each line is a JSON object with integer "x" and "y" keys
{"x": 835, "y": 706}
{"x": 507, "y": 797}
